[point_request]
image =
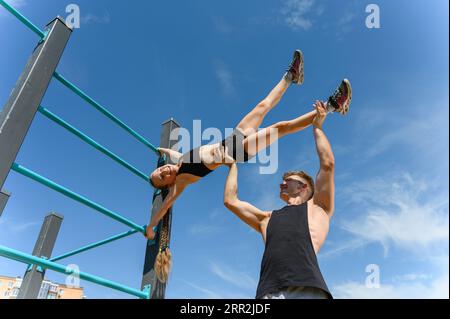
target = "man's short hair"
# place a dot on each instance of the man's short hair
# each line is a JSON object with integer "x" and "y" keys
{"x": 305, "y": 176}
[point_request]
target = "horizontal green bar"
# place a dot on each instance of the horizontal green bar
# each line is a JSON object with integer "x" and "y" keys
{"x": 22, "y": 19}
{"x": 103, "y": 110}
{"x": 94, "y": 245}
{"x": 74, "y": 88}
{"x": 83, "y": 200}
{"x": 30, "y": 259}
{"x": 91, "y": 142}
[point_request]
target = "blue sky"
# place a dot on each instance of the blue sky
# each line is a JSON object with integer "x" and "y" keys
{"x": 147, "y": 62}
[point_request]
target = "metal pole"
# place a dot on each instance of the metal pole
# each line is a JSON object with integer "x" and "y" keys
{"x": 33, "y": 277}
{"x": 4, "y": 196}
{"x": 94, "y": 245}
{"x": 91, "y": 142}
{"x": 81, "y": 199}
{"x": 158, "y": 289}
{"x": 103, "y": 110}
{"x": 29, "y": 259}
{"x": 19, "y": 111}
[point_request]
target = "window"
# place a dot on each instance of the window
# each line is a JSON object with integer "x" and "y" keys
{"x": 10, "y": 284}
{"x": 61, "y": 292}
{"x": 15, "y": 292}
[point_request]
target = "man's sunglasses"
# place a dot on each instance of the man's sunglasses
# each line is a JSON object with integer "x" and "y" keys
{"x": 294, "y": 180}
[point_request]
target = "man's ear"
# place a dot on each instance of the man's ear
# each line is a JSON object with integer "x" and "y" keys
{"x": 304, "y": 187}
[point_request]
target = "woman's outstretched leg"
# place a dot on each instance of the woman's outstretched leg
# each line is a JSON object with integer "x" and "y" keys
{"x": 251, "y": 122}
{"x": 258, "y": 141}
{"x": 338, "y": 102}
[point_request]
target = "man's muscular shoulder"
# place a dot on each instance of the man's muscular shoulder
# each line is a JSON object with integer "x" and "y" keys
{"x": 315, "y": 209}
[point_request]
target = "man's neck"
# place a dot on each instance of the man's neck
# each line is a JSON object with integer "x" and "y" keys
{"x": 295, "y": 200}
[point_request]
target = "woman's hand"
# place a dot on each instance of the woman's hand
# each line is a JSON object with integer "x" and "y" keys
{"x": 150, "y": 233}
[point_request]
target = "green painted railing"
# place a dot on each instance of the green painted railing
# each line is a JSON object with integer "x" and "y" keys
{"x": 71, "y": 194}
{"x": 91, "y": 142}
{"x": 22, "y": 19}
{"x": 94, "y": 245}
{"x": 30, "y": 259}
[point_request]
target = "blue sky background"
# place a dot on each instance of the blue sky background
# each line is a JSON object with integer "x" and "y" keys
{"x": 149, "y": 61}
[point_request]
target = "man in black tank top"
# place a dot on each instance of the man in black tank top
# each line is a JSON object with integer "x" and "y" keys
{"x": 294, "y": 234}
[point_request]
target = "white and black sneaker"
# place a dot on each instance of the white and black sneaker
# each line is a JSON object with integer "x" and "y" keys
{"x": 341, "y": 98}
{"x": 294, "y": 73}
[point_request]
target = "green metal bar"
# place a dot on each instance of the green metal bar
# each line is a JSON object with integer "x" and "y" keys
{"x": 22, "y": 19}
{"x": 100, "y": 108}
{"x": 30, "y": 259}
{"x": 91, "y": 142}
{"x": 83, "y": 200}
{"x": 74, "y": 88}
{"x": 94, "y": 245}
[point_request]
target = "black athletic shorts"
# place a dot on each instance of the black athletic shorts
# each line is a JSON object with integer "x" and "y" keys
{"x": 235, "y": 146}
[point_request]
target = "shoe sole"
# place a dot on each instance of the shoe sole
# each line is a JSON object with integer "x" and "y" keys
{"x": 301, "y": 78}
{"x": 349, "y": 89}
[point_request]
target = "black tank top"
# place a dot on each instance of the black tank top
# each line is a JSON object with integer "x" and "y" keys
{"x": 289, "y": 259}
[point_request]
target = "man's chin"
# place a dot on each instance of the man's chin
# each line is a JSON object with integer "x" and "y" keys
{"x": 283, "y": 196}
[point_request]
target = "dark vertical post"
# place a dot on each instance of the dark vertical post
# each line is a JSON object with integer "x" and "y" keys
{"x": 19, "y": 111}
{"x": 34, "y": 275}
{"x": 4, "y": 196}
{"x": 158, "y": 289}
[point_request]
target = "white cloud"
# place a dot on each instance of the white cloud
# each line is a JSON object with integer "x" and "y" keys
{"x": 225, "y": 77}
{"x": 90, "y": 18}
{"x": 340, "y": 248}
{"x": 17, "y": 3}
{"x": 423, "y": 130}
{"x": 207, "y": 293}
{"x": 407, "y": 289}
{"x": 412, "y": 277}
{"x": 236, "y": 278}
{"x": 405, "y": 212}
{"x": 396, "y": 212}
{"x": 17, "y": 228}
{"x": 346, "y": 19}
{"x": 210, "y": 294}
{"x": 13, "y": 227}
{"x": 297, "y": 13}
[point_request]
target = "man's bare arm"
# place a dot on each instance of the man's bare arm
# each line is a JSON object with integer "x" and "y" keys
{"x": 324, "y": 190}
{"x": 248, "y": 213}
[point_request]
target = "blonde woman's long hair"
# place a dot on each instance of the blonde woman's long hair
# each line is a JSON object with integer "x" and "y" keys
{"x": 163, "y": 264}
{"x": 163, "y": 261}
